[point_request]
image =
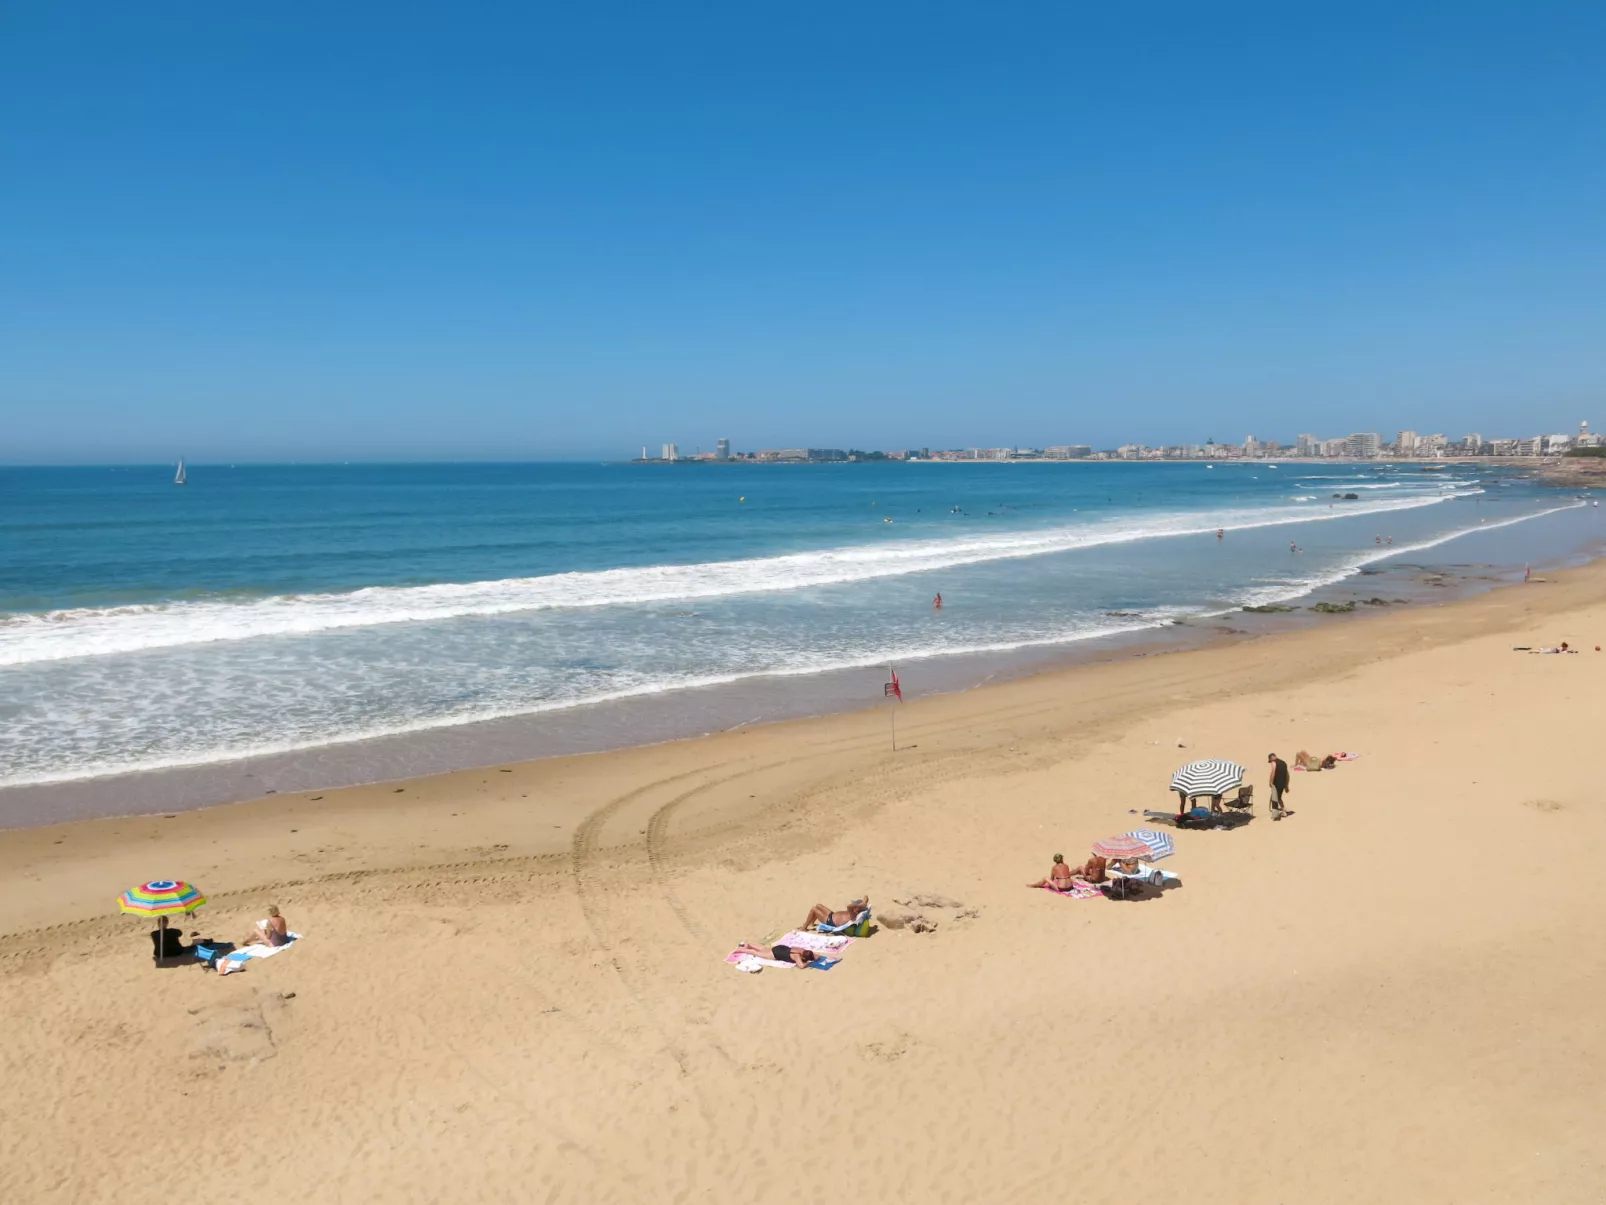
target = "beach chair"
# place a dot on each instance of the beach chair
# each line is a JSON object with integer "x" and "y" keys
{"x": 1244, "y": 800}
{"x": 859, "y": 926}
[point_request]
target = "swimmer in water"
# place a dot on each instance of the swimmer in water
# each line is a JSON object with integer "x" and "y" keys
{"x": 936, "y": 603}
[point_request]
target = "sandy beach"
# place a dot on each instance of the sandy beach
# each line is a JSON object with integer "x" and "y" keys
{"x": 511, "y": 987}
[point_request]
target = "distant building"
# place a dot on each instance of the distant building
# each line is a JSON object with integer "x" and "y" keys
{"x": 722, "y": 450}
{"x": 1472, "y": 442}
{"x": 1068, "y": 452}
{"x": 792, "y": 454}
{"x": 1251, "y": 446}
{"x": 1405, "y": 443}
{"x": 671, "y": 452}
{"x": 826, "y": 454}
{"x": 1365, "y": 445}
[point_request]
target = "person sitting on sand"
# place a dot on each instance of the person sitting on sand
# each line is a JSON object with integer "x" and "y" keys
{"x": 1062, "y": 877}
{"x": 820, "y": 914}
{"x": 797, "y": 957}
{"x": 270, "y": 932}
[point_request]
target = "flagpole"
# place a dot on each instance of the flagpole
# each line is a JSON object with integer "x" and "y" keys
{"x": 892, "y": 715}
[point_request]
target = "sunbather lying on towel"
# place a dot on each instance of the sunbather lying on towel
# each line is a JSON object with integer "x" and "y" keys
{"x": 841, "y": 916}
{"x": 791, "y": 954}
{"x": 1062, "y": 877}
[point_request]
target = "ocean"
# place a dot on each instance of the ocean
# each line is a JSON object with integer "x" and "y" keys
{"x": 264, "y": 610}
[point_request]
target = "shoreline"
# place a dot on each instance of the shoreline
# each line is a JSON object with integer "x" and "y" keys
{"x": 1311, "y": 649}
{"x": 682, "y": 713}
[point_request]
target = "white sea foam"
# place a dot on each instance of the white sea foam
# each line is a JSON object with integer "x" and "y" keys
{"x": 908, "y": 649}
{"x": 89, "y": 632}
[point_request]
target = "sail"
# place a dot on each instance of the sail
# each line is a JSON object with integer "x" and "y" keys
{"x": 178, "y": 478}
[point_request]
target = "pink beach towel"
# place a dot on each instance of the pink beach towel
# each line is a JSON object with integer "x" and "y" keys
{"x": 1076, "y": 893}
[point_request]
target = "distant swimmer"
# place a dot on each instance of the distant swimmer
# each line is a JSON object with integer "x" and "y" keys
{"x": 936, "y": 603}
{"x": 1220, "y": 532}
{"x": 1293, "y": 547}
{"x": 743, "y": 498}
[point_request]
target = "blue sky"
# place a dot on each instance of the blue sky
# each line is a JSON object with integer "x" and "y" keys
{"x": 488, "y": 230}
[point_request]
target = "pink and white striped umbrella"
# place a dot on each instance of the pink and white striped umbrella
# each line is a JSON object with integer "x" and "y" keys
{"x": 1120, "y": 848}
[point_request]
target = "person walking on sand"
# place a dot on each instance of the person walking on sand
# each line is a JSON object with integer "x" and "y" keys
{"x": 1279, "y": 785}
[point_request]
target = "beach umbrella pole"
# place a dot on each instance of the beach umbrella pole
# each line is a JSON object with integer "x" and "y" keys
{"x": 161, "y": 940}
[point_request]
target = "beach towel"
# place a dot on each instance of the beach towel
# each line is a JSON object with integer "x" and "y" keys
{"x": 1347, "y": 756}
{"x": 238, "y": 957}
{"x": 820, "y": 943}
{"x": 751, "y": 965}
{"x": 1078, "y": 892}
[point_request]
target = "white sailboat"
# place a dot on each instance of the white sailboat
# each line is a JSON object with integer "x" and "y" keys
{"x": 179, "y": 478}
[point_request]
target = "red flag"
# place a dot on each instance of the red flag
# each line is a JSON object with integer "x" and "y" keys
{"x": 892, "y": 688}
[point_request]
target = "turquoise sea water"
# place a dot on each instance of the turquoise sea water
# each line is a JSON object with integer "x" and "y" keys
{"x": 268, "y": 608}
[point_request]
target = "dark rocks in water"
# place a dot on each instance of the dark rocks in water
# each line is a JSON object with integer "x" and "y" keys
{"x": 1375, "y": 602}
{"x": 1327, "y": 608}
{"x": 1124, "y": 614}
{"x": 1370, "y": 572}
{"x": 1351, "y": 497}
{"x": 1268, "y": 609}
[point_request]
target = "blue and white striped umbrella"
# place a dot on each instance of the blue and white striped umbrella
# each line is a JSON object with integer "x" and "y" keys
{"x": 1159, "y": 842}
{"x": 1212, "y": 776}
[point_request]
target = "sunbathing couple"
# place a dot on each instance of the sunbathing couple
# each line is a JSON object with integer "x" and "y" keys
{"x": 1066, "y": 878}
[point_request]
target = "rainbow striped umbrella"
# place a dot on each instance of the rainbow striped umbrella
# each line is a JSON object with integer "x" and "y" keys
{"x": 161, "y": 897}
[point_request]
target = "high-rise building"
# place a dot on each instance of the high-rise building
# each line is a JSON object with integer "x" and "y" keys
{"x": 1406, "y": 442}
{"x": 1307, "y": 445}
{"x": 1251, "y": 445}
{"x": 1364, "y": 445}
{"x": 722, "y": 450}
{"x": 671, "y": 452}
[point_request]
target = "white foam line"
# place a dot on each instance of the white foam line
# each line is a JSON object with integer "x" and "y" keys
{"x": 93, "y": 632}
{"x": 1305, "y": 586}
{"x": 1160, "y": 618}
{"x": 903, "y": 656}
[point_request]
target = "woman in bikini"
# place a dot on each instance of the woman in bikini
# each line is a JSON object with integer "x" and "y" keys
{"x": 797, "y": 957}
{"x": 270, "y": 932}
{"x": 1062, "y": 877}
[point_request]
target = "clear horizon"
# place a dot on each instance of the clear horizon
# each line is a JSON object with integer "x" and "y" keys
{"x": 376, "y": 235}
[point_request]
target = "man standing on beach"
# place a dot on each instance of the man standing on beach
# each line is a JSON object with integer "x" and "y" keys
{"x": 1279, "y": 784}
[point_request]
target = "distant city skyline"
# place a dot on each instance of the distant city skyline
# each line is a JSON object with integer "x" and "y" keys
{"x": 1358, "y": 445}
